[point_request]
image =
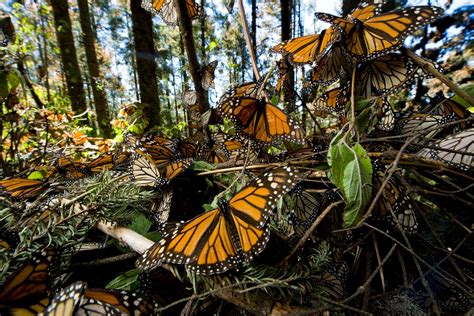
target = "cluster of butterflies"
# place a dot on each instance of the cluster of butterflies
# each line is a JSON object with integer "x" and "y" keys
{"x": 365, "y": 41}
{"x": 29, "y": 291}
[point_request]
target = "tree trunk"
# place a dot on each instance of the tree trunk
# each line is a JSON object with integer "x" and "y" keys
{"x": 45, "y": 61}
{"x": 203, "y": 34}
{"x": 186, "y": 29}
{"x": 100, "y": 97}
{"x": 253, "y": 31}
{"x": 146, "y": 67}
{"x": 72, "y": 72}
{"x": 286, "y": 6}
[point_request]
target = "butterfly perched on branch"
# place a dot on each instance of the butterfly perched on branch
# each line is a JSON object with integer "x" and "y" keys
{"x": 208, "y": 76}
{"x": 223, "y": 238}
{"x": 261, "y": 120}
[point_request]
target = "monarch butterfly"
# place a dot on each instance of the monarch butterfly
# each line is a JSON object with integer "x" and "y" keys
{"x": 23, "y": 188}
{"x": 386, "y": 74}
{"x": 425, "y": 125}
{"x": 106, "y": 162}
{"x": 69, "y": 169}
{"x": 333, "y": 100}
{"x": 126, "y": 302}
{"x": 309, "y": 48}
{"x": 186, "y": 149}
{"x": 160, "y": 149}
{"x": 393, "y": 199}
{"x": 192, "y": 107}
{"x": 330, "y": 67}
{"x": 455, "y": 150}
{"x": 385, "y": 115}
{"x": 240, "y": 150}
{"x": 26, "y": 291}
{"x": 285, "y": 81}
{"x": 261, "y": 120}
{"x": 72, "y": 301}
{"x": 224, "y": 147}
{"x": 221, "y": 239}
{"x": 303, "y": 209}
{"x": 190, "y": 97}
{"x": 333, "y": 281}
{"x": 167, "y": 11}
{"x": 161, "y": 207}
{"x": 77, "y": 299}
{"x": 145, "y": 172}
{"x": 248, "y": 89}
{"x": 449, "y": 107}
{"x": 208, "y": 76}
{"x": 369, "y": 34}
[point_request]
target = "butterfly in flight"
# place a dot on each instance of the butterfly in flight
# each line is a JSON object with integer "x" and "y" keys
{"x": 368, "y": 33}
{"x": 167, "y": 11}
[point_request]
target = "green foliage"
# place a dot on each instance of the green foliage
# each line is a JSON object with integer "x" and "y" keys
{"x": 469, "y": 89}
{"x": 8, "y": 82}
{"x": 351, "y": 172}
{"x": 127, "y": 281}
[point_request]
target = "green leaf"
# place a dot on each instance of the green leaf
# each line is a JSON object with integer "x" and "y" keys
{"x": 155, "y": 236}
{"x": 341, "y": 154}
{"x": 351, "y": 173}
{"x": 469, "y": 89}
{"x": 211, "y": 46}
{"x": 356, "y": 188}
{"x": 140, "y": 224}
{"x": 35, "y": 175}
{"x": 200, "y": 165}
{"x": 13, "y": 79}
{"x": 333, "y": 143}
{"x": 127, "y": 281}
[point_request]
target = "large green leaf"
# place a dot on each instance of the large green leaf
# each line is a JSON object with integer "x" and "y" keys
{"x": 351, "y": 173}
{"x": 356, "y": 187}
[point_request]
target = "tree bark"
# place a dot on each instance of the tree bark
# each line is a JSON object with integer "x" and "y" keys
{"x": 286, "y": 6}
{"x": 45, "y": 61}
{"x": 98, "y": 92}
{"x": 146, "y": 67}
{"x": 72, "y": 72}
{"x": 186, "y": 29}
{"x": 253, "y": 31}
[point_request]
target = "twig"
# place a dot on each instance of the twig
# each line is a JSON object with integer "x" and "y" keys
{"x": 377, "y": 254}
{"x": 353, "y": 111}
{"x": 361, "y": 288}
{"x": 248, "y": 41}
{"x": 308, "y": 233}
{"x": 428, "y": 67}
{"x": 108, "y": 260}
{"x": 232, "y": 169}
